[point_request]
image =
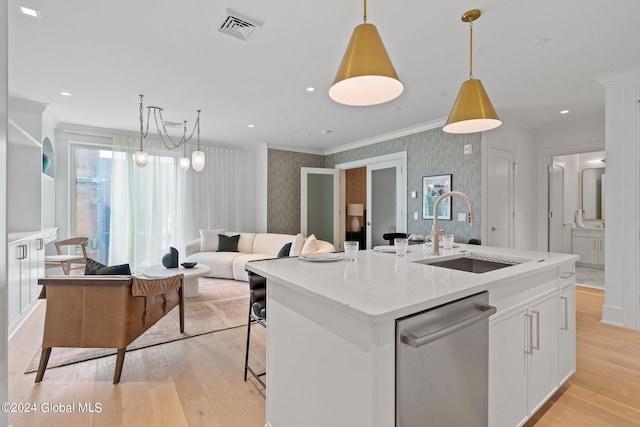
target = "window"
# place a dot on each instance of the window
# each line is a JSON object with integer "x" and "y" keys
{"x": 92, "y": 199}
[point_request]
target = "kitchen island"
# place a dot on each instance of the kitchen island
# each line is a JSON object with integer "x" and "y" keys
{"x": 331, "y": 332}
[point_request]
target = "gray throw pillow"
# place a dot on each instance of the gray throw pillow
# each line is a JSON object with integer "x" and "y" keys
{"x": 95, "y": 268}
{"x": 284, "y": 252}
{"x": 228, "y": 243}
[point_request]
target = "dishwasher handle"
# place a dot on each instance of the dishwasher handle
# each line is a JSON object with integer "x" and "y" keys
{"x": 415, "y": 342}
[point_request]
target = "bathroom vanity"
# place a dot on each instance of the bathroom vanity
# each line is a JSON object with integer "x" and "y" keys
{"x": 332, "y": 331}
{"x": 588, "y": 243}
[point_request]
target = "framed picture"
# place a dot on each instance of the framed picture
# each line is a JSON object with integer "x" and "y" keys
{"x": 432, "y": 188}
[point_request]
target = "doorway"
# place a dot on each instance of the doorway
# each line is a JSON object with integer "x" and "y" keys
{"x": 385, "y": 195}
{"x": 384, "y": 210}
{"x": 576, "y": 220}
{"x": 319, "y": 204}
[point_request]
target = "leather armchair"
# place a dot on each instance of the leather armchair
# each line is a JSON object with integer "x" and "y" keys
{"x": 104, "y": 312}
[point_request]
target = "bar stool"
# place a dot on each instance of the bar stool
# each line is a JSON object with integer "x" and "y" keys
{"x": 257, "y": 314}
{"x": 392, "y": 236}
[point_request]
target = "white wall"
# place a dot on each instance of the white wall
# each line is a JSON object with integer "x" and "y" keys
{"x": 514, "y": 138}
{"x": 576, "y": 137}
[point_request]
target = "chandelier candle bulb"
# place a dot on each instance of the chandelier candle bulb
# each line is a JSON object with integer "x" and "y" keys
{"x": 197, "y": 160}
{"x": 141, "y": 158}
{"x": 185, "y": 163}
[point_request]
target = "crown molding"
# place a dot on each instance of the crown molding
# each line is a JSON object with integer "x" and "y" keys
{"x": 433, "y": 124}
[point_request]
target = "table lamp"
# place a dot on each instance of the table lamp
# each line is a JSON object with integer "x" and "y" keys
{"x": 355, "y": 210}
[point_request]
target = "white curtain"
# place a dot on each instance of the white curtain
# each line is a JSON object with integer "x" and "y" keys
{"x": 212, "y": 198}
{"x": 160, "y": 205}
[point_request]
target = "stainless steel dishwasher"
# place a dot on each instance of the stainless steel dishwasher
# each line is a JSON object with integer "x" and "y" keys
{"x": 442, "y": 364}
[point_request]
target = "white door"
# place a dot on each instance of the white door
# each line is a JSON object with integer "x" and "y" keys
{"x": 319, "y": 204}
{"x": 500, "y": 211}
{"x": 556, "y": 208}
{"x": 386, "y": 200}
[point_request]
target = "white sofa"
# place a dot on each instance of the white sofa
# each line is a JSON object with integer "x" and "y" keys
{"x": 251, "y": 246}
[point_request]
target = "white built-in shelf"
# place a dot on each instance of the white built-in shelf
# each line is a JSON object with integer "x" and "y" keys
{"x": 17, "y": 135}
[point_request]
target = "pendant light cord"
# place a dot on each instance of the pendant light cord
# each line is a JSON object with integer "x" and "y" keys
{"x": 470, "y": 50}
{"x": 365, "y": 12}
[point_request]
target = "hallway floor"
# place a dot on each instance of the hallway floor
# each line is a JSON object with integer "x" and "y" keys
{"x": 590, "y": 277}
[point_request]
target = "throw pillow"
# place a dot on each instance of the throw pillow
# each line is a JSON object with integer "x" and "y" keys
{"x": 92, "y": 267}
{"x": 310, "y": 245}
{"x": 95, "y": 268}
{"x": 285, "y": 250}
{"x": 209, "y": 240}
{"x": 228, "y": 243}
{"x": 116, "y": 270}
{"x": 296, "y": 245}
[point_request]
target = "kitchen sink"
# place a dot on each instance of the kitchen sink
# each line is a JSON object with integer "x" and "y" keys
{"x": 472, "y": 263}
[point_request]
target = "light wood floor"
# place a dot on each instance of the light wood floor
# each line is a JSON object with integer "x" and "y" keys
{"x": 198, "y": 381}
{"x": 192, "y": 382}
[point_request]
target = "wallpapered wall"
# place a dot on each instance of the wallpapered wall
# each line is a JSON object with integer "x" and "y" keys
{"x": 432, "y": 152}
{"x": 283, "y": 187}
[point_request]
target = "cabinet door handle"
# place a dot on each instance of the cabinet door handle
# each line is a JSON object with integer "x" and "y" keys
{"x": 41, "y": 241}
{"x": 566, "y": 314}
{"x": 567, "y": 275}
{"x": 529, "y": 322}
{"x": 537, "y": 346}
{"x": 21, "y": 252}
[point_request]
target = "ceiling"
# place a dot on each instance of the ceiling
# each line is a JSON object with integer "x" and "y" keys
{"x": 534, "y": 59}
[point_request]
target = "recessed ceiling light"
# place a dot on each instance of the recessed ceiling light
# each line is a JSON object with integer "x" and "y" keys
{"x": 252, "y": 126}
{"x": 564, "y": 112}
{"x": 63, "y": 93}
{"x": 30, "y": 11}
{"x": 310, "y": 89}
{"x": 540, "y": 41}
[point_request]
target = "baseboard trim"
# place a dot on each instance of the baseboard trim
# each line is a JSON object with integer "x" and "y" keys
{"x": 612, "y": 316}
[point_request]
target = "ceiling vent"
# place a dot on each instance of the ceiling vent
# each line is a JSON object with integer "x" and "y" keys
{"x": 238, "y": 25}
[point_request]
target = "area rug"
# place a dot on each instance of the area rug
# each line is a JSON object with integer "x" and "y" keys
{"x": 222, "y": 304}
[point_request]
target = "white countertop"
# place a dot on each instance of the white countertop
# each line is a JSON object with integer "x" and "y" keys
{"x": 381, "y": 286}
{"x": 17, "y": 236}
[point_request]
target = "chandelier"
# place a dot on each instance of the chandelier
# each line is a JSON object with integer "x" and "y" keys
{"x": 141, "y": 157}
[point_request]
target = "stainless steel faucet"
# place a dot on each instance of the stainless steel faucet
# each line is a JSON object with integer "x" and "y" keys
{"x": 435, "y": 231}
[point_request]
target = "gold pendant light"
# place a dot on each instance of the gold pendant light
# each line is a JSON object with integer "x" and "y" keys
{"x": 472, "y": 111}
{"x": 366, "y": 75}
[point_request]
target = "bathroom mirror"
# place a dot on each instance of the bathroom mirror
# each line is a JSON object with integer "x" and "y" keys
{"x": 592, "y": 193}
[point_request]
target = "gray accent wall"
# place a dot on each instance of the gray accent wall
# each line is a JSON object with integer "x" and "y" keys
{"x": 432, "y": 152}
{"x": 283, "y": 187}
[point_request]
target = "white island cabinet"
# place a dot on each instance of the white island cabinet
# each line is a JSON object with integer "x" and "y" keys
{"x": 332, "y": 325}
